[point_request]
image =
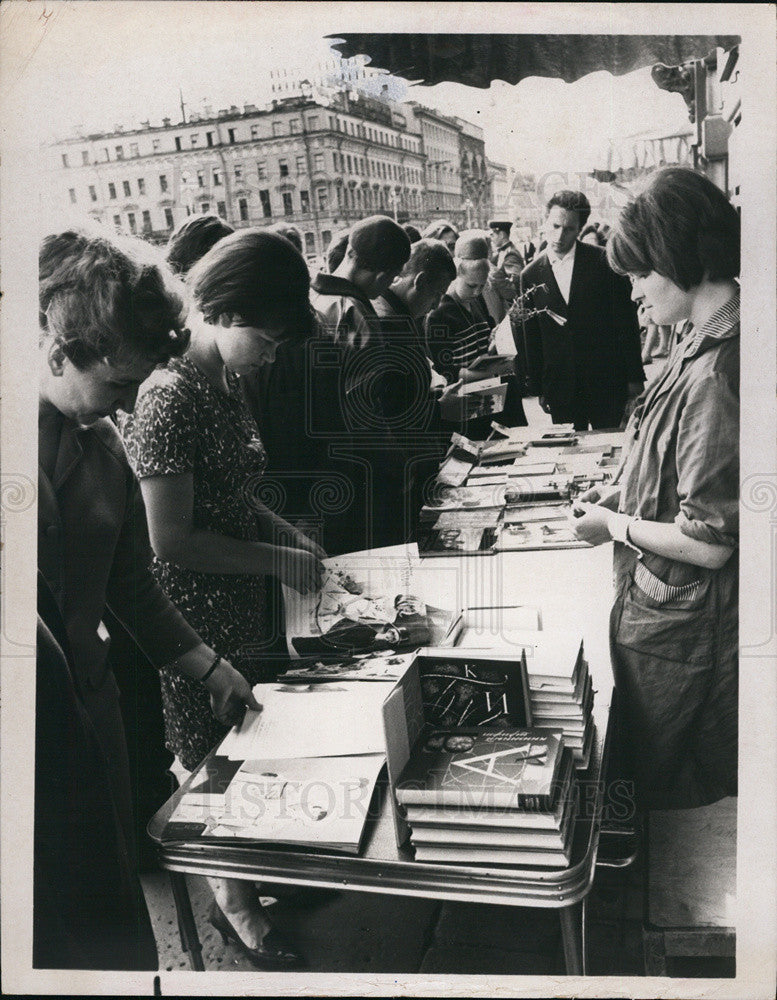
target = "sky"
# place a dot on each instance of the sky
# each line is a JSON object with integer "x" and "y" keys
{"x": 83, "y": 65}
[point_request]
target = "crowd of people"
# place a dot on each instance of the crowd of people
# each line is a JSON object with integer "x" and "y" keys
{"x": 175, "y": 393}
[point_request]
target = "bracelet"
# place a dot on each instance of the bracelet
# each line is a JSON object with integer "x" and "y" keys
{"x": 213, "y": 666}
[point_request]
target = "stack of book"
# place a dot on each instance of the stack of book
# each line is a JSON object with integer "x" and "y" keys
{"x": 561, "y": 693}
{"x": 495, "y": 796}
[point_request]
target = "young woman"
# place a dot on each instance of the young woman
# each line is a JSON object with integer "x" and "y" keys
{"x": 674, "y": 514}
{"x": 110, "y": 311}
{"x": 200, "y": 461}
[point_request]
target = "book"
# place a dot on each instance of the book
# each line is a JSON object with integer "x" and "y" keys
{"x": 319, "y": 802}
{"x": 366, "y": 667}
{"x": 533, "y": 513}
{"x": 492, "y": 819}
{"x": 461, "y": 687}
{"x": 511, "y": 470}
{"x": 483, "y": 768}
{"x": 533, "y": 535}
{"x": 479, "y": 517}
{"x": 456, "y": 541}
{"x": 454, "y": 854}
{"x": 463, "y": 498}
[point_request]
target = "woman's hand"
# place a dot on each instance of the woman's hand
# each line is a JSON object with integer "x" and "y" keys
{"x": 454, "y": 407}
{"x": 298, "y": 568}
{"x": 591, "y": 523}
{"x": 230, "y": 695}
{"x": 604, "y": 496}
{"x": 302, "y": 541}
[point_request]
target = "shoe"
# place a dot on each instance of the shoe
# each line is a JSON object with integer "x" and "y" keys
{"x": 273, "y": 955}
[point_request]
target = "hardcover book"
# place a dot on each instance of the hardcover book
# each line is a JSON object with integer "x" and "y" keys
{"x": 483, "y": 768}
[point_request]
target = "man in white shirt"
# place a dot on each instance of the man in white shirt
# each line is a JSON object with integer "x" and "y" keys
{"x": 586, "y": 368}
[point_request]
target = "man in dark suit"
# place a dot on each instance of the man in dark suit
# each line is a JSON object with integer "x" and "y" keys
{"x": 587, "y": 367}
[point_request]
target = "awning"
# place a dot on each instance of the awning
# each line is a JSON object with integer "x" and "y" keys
{"x": 476, "y": 60}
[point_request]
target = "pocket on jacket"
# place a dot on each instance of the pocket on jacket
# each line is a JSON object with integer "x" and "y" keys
{"x": 672, "y": 627}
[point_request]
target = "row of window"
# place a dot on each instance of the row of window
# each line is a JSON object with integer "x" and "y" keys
{"x": 292, "y": 126}
{"x": 144, "y": 222}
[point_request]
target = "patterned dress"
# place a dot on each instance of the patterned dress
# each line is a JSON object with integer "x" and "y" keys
{"x": 183, "y": 424}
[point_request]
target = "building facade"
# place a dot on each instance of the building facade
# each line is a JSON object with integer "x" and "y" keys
{"x": 439, "y": 137}
{"x": 476, "y": 182}
{"x": 318, "y": 166}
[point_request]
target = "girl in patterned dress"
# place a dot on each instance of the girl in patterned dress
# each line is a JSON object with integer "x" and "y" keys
{"x": 197, "y": 453}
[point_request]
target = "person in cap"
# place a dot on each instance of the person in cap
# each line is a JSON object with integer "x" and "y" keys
{"x": 378, "y": 249}
{"x": 506, "y": 267}
{"x": 586, "y": 368}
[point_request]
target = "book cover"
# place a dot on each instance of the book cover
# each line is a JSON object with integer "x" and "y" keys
{"x": 314, "y": 802}
{"x": 483, "y": 768}
{"x": 456, "y": 541}
{"x": 460, "y": 687}
{"x": 517, "y": 536}
{"x": 514, "y": 857}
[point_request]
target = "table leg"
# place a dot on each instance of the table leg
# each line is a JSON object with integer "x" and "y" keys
{"x": 572, "y": 938}
{"x": 183, "y": 905}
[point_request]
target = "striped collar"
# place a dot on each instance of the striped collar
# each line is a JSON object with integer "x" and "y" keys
{"x": 721, "y": 325}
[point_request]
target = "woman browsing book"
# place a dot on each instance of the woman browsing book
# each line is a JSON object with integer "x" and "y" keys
{"x": 674, "y": 513}
{"x": 197, "y": 453}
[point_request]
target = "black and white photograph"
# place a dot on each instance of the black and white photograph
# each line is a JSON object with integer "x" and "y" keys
{"x": 390, "y": 360}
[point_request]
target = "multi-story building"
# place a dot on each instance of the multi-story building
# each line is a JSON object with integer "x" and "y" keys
{"x": 475, "y": 180}
{"x": 440, "y": 142}
{"x": 318, "y": 166}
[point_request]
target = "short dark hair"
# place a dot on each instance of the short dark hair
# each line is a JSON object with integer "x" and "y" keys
{"x": 571, "y": 201}
{"x": 413, "y": 234}
{"x": 432, "y": 258}
{"x": 681, "y": 226}
{"x": 292, "y": 234}
{"x": 192, "y": 240}
{"x": 256, "y": 275}
{"x": 438, "y": 228}
{"x": 102, "y": 295}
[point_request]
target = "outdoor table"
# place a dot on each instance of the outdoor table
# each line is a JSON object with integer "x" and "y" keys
{"x": 572, "y": 587}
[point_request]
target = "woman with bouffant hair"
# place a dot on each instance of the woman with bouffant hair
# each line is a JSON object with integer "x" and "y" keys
{"x": 197, "y": 453}
{"x": 674, "y": 514}
{"x": 110, "y": 311}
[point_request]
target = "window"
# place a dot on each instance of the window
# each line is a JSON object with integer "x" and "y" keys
{"x": 238, "y": 171}
{"x": 169, "y": 218}
{"x": 254, "y": 131}
{"x": 204, "y": 207}
{"x": 201, "y": 178}
{"x": 120, "y": 152}
{"x": 146, "y": 221}
{"x": 155, "y": 145}
{"x": 217, "y": 178}
{"x": 231, "y": 134}
{"x": 284, "y": 167}
{"x": 127, "y": 190}
{"x": 209, "y": 138}
{"x": 64, "y": 160}
{"x": 301, "y": 165}
{"x": 111, "y": 190}
{"x": 261, "y": 170}
{"x": 134, "y": 151}
{"x": 348, "y": 160}
{"x": 242, "y": 205}
{"x": 93, "y": 192}
{"x": 163, "y": 182}
{"x": 323, "y": 199}
{"x": 310, "y": 243}
{"x": 178, "y": 142}
{"x": 313, "y": 123}
{"x": 72, "y": 193}
{"x": 288, "y": 208}
{"x": 318, "y": 161}
{"x": 221, "y": 208}
{"x": 85, "y": 157}
{"x": 106, "y": 154}
{"x": 141, "y": 185}
{"x": 117, "y": 221}
{"x": 304, "y": 201}
{"x": 264, "y": 198}
{"x": 194, "y": 139}
{"x": 133, "y": 228}
{"x": 294, "y": 126}
{"x": 277, "y": 128}
{"x": 326, "y": 239}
